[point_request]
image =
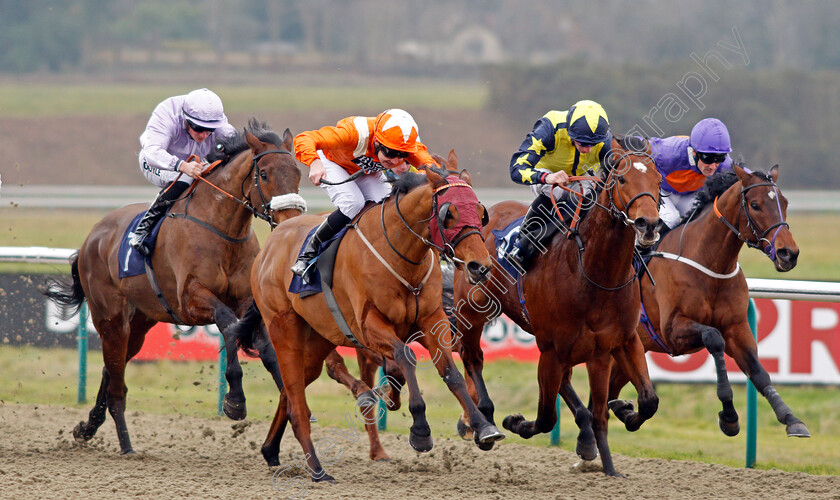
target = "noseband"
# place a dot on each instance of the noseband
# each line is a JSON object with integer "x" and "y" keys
{"x": 265, "y": 204}
{"x": 760, "y": 236}
{"x": 447, "y": 246}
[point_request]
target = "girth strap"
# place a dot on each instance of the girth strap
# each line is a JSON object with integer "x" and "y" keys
{"x": 211, "y": 228}
{"x": 159, "y": 294}
{"x": 326, "y": 266}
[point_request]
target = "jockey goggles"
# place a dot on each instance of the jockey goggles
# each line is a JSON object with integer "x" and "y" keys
{"x": 391, "y": 153}
{"x": 709, "y": 158}
{"x": 198, "y": 128}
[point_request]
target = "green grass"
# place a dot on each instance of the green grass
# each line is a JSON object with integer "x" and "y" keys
{"x": 685, "y": 427}
{"x": 23, "y": 100}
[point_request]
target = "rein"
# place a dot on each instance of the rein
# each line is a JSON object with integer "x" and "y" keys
{"x": 612, "y": 210}
{"x": 770, "y": 249}
{"x": 245, "y": 202}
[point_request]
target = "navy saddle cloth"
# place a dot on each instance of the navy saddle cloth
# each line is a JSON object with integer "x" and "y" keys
{"x": 132, "y": 262}
{"x": 297, "y": 285}
{"x": 506, "y": 240}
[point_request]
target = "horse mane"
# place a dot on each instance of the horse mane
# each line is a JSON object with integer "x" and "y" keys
{"x": 632, "y": 143}
{"x": 409, "y": 180}
{"x": 228, "y": 147}
{"x": 715, "y": 186}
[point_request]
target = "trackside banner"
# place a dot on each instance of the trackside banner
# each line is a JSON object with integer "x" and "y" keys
{"x": 799, "y": 342}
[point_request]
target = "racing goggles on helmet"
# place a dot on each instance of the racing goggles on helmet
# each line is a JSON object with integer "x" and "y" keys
{"x": 709, "y": 158}
{"x": 198, "y": 128}
{"x": 391, "y": 153}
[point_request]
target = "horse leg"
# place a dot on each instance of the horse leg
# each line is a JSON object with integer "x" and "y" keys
{"x": 728, "y": 417}
{"x": 387, "y": 389}
{"x": 438, "y": 340}
{"x": 288, "y": 334}
{"x": 84, "y": 431}
{"x": 598, "y": 369}
{"x": 367, "y": 401}
{"x": 117, "y": 349}
{"x": 549, "y": 376}
{"x": 473, "y": 358}
{"x": 586, "y": 447}
{"x": 743, "y": 350}
{"x": 630, "y": 360}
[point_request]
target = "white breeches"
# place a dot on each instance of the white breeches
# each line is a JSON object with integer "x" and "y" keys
{"x": 161, "y": 178}
{"x": 350, "y": 197}
{"x": 675, "y": 207}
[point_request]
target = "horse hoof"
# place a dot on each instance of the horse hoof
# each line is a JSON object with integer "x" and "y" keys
{"x": 127, "y": 453}
{"x": 464, "y": 430}
{"x": 512, "y": 421}
{"x": 489, "y": 434}
{"x": 420, "y": 443}
{"x": 235, "y": 410}
{"x": 798, "y": 430}
{"x": 80, "y": 433}
{"x": 729, "y": 428}
{"x": 587, "y": 452}
{"x": 323, "y": 478}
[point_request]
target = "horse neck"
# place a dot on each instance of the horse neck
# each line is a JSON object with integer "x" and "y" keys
{"x": 215, "y": 208}
{"x": 414, "y": 206}
{"x": 717, "y": 247}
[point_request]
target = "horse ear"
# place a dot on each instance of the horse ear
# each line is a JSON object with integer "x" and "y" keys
{"x": 741, "y": 173}
{"x": 774, "y": 172}
{"x": 453, "y": 160}
{"x": 434, "y": 178}
{"x": 253, "y": 142}
{"x": 288, "y": 140}
{"x": 465, "y": 176}
{"x": 439, "y": 160}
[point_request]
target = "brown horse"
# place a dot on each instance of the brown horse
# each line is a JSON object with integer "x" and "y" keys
{"x": 578, "y": 304}
{"x": 202, "y": 261}
{"x": 387, "y": 284}
{"x": 705, "y": 307}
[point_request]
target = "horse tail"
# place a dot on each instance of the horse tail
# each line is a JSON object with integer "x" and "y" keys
{"x": 66, "y": 292}
{"x": 246, "y": 329}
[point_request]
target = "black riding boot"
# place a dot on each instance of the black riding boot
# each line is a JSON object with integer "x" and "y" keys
{"x": 537, "y": 229}
{"x": 153, "y": 215}
{"x": 329, "y": 228}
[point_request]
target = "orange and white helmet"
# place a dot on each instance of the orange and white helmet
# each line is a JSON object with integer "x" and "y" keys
{"x": 396, "y": 129}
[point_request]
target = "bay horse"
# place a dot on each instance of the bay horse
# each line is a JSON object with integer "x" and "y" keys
{"x": 202, "y": 262}
{"x": 578, "y": 304}
{"x": 701, "y": 297}
{"x": 387, "y": 284}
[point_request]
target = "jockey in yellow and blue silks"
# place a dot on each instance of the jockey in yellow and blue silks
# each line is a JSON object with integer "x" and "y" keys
{"x": 561, "y": 144}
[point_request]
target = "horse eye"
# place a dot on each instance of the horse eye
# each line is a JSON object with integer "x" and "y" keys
{"x": 263, "y": 175}
{"x": 754, "y": 206}
{"x": 622, "y": 180}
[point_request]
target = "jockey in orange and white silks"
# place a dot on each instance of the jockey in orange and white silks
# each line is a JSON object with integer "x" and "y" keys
{"x": 179, "y": 127}
{"x": 686, "y": 162}
{"x": 387, "y": 141}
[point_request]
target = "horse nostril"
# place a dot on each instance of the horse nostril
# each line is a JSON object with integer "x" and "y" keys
{"x": 477, "y": 270}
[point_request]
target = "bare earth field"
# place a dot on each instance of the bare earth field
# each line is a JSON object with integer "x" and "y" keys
{"x": 188, "y": 457}
{"x": 102, "y": 150}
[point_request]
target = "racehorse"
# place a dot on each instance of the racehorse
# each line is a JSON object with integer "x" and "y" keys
{"x": 578, "y": 304}
{"x": 202, "y": 263}
{"x": 700, "y": 299}
{"x": 387, "y": 284}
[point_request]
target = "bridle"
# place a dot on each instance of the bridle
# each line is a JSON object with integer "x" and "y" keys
{"x": 613, "y": 187}
{"x": 245, "y": 201}
{"x": 447, "y": 246}
{"x": 760, "y": 236}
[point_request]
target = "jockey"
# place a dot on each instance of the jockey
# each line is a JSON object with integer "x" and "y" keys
{"x": 685, "y": 163}
{"x": 180, "y": 126}
{"x": 387, "y": 141}
{"x": 562, "y": 143}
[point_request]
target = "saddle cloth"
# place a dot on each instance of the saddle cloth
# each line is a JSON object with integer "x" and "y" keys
{"x": 132, "y": 262}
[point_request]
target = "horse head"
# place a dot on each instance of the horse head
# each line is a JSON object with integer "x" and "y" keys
{"x": 764, "y": 210}
{"x": 276, "y": 178}
{"x": 632, "y": 182}
{"x": 457, "y": 219}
